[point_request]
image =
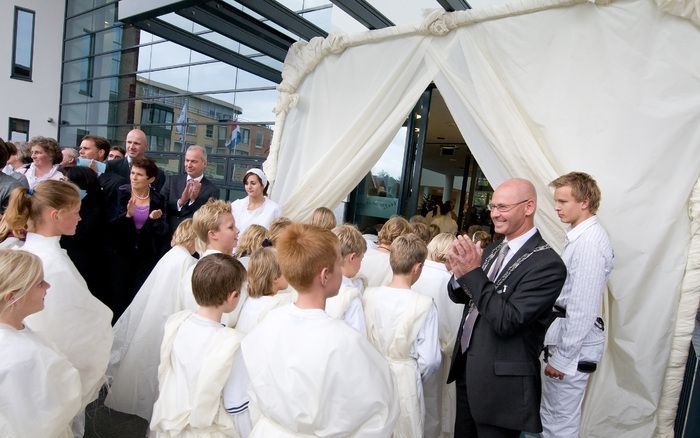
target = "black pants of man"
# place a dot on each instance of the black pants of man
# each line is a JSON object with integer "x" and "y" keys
{"x": 466, "y": 427}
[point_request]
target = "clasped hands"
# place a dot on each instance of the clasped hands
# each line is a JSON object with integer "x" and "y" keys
{"x": 191, "y": 191}
{"x": 464, "y": 256}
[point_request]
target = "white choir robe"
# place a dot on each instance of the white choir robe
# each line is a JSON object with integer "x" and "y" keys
{"x": 312, "y": 375}
{"x": 187, "y": 301}
{"x": 139, "y": 333}
{"x": 196, "y": 364}
{"x": 73, "y": 320}
{"x": 375, "y": 268}
{"x": 40, "y": 389}
{"x": 402, "y": 325}
{"x": 347, "y": 305}
{"x": 440, "y": 398}
{"x": 254, "y": 310}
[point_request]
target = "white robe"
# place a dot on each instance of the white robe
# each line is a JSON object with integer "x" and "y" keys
{"x": 139, "y": 333}
{"x": 256, "y": 309}
{"x": 347, "y": 305}
{"x": 73, "y": 320}
{"x": 40, "y": 390}
{"x": 375, "y": 268}
{"x": 402, "y": 325}
{"x": 263, "y": 215}
{"x": 312, "y": 375}
{"x": 195, "y": 365}
{"x": 186, "y": 297}
{"x": 440, "y": 398}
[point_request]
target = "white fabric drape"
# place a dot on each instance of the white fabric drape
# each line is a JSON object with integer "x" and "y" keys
{"x": 537, "y": 88}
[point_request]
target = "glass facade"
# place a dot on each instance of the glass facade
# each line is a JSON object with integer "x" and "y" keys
{"x": 117, "y": 77}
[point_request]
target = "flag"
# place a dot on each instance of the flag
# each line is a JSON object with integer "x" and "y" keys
{"x": 235, "y": 134}
{"x": 181, "y": 121}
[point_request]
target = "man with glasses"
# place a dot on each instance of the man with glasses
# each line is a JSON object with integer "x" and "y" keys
{"x": 575, "y": 340}
{"x": 508, "y": 290}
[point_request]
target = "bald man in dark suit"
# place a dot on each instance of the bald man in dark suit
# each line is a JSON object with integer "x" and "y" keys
{"x": 509, "y": 290}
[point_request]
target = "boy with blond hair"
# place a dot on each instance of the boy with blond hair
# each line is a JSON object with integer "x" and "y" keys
{"x": 214, "y": 225}
{"x": 347, "y": 305}
{"x": 335, "y": 383}
{"x": 201, "y": 375}
{"x": 402, "y": 325}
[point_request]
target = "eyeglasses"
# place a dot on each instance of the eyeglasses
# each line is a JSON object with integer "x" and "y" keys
{"x": 502, "y": 208}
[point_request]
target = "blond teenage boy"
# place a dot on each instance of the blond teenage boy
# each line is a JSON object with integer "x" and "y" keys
{"x": 347, "y": 305}
{"x": 214, "y": 225}
{"x": 201, "y": 375}
{"x": 335, "y": 383}
{"x": 403, "y": 325}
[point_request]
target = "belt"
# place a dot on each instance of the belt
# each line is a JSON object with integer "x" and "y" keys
{"x": 560, "y": 312}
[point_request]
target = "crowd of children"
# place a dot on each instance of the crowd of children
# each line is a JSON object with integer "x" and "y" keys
{"x": 296, "y": 330}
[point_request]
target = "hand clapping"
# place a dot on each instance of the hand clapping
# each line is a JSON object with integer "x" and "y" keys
{"x": 464, "y": 256}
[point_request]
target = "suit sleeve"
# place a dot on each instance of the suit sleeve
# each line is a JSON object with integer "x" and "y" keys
{"x": 534, "y": 294}
{"x": 457, "y": 293}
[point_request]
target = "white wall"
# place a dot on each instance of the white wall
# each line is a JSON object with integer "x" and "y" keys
{"x": 38, "y": 100}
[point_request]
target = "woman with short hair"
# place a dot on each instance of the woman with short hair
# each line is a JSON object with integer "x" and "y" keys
{"x": 46, "y": 157}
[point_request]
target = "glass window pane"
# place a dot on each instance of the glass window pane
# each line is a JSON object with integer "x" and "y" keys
{"x": 94, "y": 21}
{"x": 23, "y": 44}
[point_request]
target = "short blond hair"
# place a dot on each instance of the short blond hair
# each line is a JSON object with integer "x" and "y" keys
{"x": 324, "y": 218}
{"x": 396, "y": 226}
{"x": 439, "y": 247}
{"x": 184, "y": 234}
{"x": 250, "y": 240}
{"x": 303, "y": 251}
{"x": 208, "y": 218}
{"x": 417, "y": 218}
{"x": 263, "y": 270}
{"x": 215, "y": 277}
{"x": 351, "y": 240}
{"x": 277, "y": 227}
{"x": 421, "y": 230}
{"x": 19, "y": 272}
{"x": 434, "y": 230}
{"x": 406, "y": 251}
{"x": 583, "y": 187}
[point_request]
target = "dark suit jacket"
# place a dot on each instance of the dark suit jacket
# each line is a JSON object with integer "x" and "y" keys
{"x": 172, "y": 191}
{"x": 501, "y": 368}
{"x": 121, "y": 167}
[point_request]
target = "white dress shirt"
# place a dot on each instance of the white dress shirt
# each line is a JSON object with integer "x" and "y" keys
{"x": 588, "y": 256}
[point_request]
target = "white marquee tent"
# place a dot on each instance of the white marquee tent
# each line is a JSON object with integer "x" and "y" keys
{"x": 537, "y": 88}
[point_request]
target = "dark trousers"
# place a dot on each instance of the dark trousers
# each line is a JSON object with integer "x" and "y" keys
{"x": 466, "y": 427}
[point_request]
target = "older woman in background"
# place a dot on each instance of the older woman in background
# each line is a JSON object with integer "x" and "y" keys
{"x": 139, "y": 230}
{"x": 46, "y": 157}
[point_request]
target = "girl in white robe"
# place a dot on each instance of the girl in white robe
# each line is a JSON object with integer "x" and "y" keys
{"x": 74, "y": 321}
{"x": 197, "y": 358}
{"x": 440, "y": 398}
{"x": 40, "y": 390}
{"x": 138, "y": 333}
{"x": 375, "y": 263}
{"x": 265, "y": 280}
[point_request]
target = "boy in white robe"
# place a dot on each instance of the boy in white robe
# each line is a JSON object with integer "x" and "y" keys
{"x": 440, "y": 398}
{"x": 138, "y": 333}
{"x": 310, "y": 374}
{"x": 403, "y": 325}
{"x": 198, "y": 358}
{"x": 347, "y": 305}
{"x": 215, "y": 226}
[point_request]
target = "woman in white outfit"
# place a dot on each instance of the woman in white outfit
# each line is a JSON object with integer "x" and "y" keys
{"x": 39, "y": 389}
{"x": 255, "y": 208}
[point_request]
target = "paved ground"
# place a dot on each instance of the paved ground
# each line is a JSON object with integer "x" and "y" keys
{"x": 102, "y": 422}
